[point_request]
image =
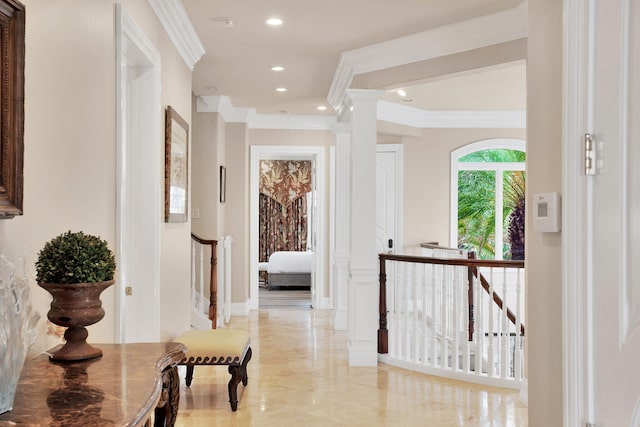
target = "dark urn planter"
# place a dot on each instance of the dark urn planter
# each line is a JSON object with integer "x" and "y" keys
{"x": 76, "y": 305}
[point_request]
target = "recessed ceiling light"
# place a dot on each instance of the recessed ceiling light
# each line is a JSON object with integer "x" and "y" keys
{"x": 224, "y": 21}
{"x": 401, "y": 92}
{"x": 274, "y": 22}
{"x": 407, "y": 100}
{"x": 321, "y": 107}
{"x": 277, "y": 68}
{"x": 281, "y": 89}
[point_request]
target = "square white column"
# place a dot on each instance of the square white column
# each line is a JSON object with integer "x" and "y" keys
{"x": 342, "y": 224}
{"x": 363, "y": 272}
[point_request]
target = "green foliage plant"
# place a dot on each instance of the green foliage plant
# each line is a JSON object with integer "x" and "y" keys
{"x": 476, "y": 205}
{"x": 75, "y": 258}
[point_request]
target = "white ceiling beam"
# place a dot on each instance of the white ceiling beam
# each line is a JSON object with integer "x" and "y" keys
{"x": 450, "y": 39}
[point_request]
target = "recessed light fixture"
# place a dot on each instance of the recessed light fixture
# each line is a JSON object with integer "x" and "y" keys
{"x": 321, "y": 107}
{"x": 401, "y": 92}
{"x": 281, "y": 89}
{"x": 407, "y": 100}
{"x": 277, "y": 68}
{"x": 224, "y": 21}
{"x": 274, "y": 22}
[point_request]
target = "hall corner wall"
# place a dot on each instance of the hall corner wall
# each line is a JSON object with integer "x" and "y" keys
{"x": 69, "y": 158}
{"x": 544, "y": 250}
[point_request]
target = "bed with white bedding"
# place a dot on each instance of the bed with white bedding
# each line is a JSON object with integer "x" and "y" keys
{"x": 290, "y": 268}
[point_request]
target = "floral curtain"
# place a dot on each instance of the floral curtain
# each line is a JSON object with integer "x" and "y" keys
{"x": 283, "y": 206}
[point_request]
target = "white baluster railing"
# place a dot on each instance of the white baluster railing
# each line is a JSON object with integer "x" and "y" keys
{"x": 452, "y": 316}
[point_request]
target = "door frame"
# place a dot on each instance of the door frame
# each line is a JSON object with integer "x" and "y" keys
{"x": 398, "y": 150}
{"x": 276, "y": 152}
{"x": 577, "y": 221}
{"x": 134, "y": 50}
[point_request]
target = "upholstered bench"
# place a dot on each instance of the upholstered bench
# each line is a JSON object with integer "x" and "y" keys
{"x": 229, "y": 347}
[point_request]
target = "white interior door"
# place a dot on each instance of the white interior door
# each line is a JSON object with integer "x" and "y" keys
{"x": 616, "y": 215}
{"x": 388, "y": 198}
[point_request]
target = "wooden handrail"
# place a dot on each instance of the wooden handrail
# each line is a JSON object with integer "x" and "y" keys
{"x": 453, "y": 261}
{"x": 213, "y": 278}
{"x": 472, "y": 264}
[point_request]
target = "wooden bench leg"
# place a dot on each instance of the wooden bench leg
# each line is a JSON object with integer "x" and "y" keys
{"x": 189, "y": 376}
{"x": 238, "y": 374}
{"x": 236, "y": 377}
{"x": 247, "y": 357}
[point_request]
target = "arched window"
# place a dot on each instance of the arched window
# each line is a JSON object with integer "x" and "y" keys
{"x": 488, "y": 197}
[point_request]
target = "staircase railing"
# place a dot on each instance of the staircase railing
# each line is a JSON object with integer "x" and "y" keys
{"x": 444, "y": 316}
{"x": 198, "y": 277}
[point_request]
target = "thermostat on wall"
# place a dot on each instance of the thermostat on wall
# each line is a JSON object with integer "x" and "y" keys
{"x": 546, "y": 212}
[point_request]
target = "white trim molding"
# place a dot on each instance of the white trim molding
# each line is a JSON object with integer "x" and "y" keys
{"x": 263, "y": 152}
{"x": 178, "y": 26}
{"x": 231, "y": 114}
{"x": 387, "y": 111}
{"x": 577, "y": 364}
{"x": 222, "y": 105}
{"x": 410, "y": 116}
{"x": 139, "y": 113}
{"x": 500, "y": 27}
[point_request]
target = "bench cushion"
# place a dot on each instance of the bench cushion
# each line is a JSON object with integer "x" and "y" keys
{"x": 215, "y": 346}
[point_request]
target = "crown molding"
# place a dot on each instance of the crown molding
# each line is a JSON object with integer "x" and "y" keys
{"x": 387, "y": 111}
{"x": 454, "y": 38}
{"x": 231, "y": 114}
{"x": 222, "y": 105}
{"x": 415, "y": 117}
{"x": 178, "y": 26}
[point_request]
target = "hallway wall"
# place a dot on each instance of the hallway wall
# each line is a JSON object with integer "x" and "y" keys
{"x": 69, "y": 167}
{"x": 544, "y": 250}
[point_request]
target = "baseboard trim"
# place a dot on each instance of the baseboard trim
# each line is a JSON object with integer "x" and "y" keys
{"x": 240, "y": 308}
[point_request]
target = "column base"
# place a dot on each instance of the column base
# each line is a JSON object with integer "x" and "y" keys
{"x": 360, "y": 355}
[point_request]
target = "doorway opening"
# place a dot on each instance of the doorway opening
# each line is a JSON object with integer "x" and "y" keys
{"x": 139, "y": 176}
{"x": 312, "y": 242}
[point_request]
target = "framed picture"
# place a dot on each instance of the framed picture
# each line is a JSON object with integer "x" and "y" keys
{"x": 12, "y": 23}
{"x": 176, "y": 167}
{"x": 223, "y": 184}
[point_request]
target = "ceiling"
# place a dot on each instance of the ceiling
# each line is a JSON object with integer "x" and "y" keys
{"x": 239, "y": 57}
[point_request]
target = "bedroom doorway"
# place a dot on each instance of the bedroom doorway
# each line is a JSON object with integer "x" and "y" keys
{"x": 314, "y": 244}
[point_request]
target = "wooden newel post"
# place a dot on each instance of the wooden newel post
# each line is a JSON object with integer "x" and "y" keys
{"x": 470, "y": 274}
{"x": 383, "y": 333}
{"x": 213, "y": 286}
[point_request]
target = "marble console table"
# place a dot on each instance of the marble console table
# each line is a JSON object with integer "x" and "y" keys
{"x": 121, "y": 388}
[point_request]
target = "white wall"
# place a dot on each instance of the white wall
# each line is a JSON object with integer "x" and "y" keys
{"x": 69, "y": 168}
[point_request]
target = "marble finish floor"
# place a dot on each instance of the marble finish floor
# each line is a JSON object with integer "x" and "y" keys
{"x": 299, "y": 376}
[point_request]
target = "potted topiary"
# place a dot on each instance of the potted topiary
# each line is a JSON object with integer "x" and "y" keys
{"x": 75, "y": 268}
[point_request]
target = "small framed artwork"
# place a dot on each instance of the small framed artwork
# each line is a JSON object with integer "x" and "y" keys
{"x": 176, "y": 167}
{"x": 223, "y": 184}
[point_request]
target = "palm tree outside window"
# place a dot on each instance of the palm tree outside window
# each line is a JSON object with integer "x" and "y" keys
{"x": 490, "y": 201}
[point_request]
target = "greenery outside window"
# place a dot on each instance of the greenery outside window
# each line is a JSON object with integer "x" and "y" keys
{"x": 489, "y": 203}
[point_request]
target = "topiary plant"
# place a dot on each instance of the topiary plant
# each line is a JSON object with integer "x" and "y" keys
{"x": 75, "y": 258}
